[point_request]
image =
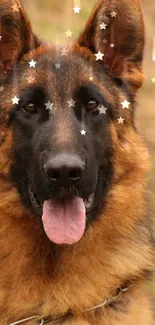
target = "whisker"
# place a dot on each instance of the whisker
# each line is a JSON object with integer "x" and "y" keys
{"x": 21, "y": 179}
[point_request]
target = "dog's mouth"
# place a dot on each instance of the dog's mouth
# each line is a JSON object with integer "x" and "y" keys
{"x": 64, "y": 220}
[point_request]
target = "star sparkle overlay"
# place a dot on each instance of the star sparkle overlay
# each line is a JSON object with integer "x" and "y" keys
{"x": 105, "y": 41}
{"x": 64, "y": 52}
{"x": 58, "y": 65}
{"x": 77, "y": 10}
{"x": 125, "y": 104}
{"x": 71, "y": 103}
{"x": 68, "y": 33}
{"x": 99, "y": 56}
{"x": 120, "y": 120}
{"x": 1, "y": 88}
{"x": 103, "y": 26}
{"x": 32, "y": 64}
{"x": 49, "y": 105}
{"x": 15, "y": 7}
{"x": 113, "y": 14}
{"x": 83, "y": 132}
{"x": 102, "y": 110}
{"x": 15, "y": 100}
{"x": 30, "y": 80}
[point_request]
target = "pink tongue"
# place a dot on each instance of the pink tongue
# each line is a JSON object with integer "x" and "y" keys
{"x": 64, "y": 223}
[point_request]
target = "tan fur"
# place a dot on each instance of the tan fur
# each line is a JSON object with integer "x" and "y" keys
{"x": 38, "y": 277}
{"x": 107, "y": 239}
{"x": 126, "y": 28}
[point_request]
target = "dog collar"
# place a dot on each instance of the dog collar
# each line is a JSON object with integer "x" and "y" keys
{"x": 57, "y": 320}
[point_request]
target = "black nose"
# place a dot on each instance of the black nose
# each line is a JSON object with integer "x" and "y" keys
{"x": 65, "y": 169}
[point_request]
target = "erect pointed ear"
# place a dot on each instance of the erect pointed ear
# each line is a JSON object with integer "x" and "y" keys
{"x": 16, "y": 37}
{"x": 116, "y": 29}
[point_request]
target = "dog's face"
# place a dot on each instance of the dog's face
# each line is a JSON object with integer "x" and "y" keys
{"x": 66, "y": 107}
{"x": 63, "y": 122}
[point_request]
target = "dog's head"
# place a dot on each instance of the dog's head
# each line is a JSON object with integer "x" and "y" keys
{"x": 66, "y": 111}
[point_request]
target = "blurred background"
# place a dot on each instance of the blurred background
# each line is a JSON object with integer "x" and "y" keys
{"x": 52, "y": 18}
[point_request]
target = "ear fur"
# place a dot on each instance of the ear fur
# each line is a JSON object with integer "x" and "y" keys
{"x": 125, "y": 29}
{"x": 16, "y": 35}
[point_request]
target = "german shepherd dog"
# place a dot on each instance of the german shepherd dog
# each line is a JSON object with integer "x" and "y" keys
{"x": 76, "y": 244}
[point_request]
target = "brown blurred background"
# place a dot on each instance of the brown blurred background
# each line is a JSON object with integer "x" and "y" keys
{"x": 51, "y": 18}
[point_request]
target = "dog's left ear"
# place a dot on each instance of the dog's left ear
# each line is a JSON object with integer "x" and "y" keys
{"x": 16, "y": 36}
{"x": 116, "y": 29}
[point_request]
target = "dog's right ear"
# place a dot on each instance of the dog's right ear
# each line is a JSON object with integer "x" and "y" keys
{"x": 16, "y": 36}
{"x": 116, "y": 29}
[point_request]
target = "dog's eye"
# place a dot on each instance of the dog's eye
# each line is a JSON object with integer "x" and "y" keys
{"x": 30, "y": 108}
{"x": 91, "y": 105}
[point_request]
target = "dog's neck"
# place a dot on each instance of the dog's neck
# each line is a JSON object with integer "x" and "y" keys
{"x": 67, "y": 316}
{"x": 57, "y": 274}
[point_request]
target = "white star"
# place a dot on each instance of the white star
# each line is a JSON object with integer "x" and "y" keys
{"x": 125, "y": 104}
{"x": 99, "y": 56}
{"x": 103, "y": 26}
{"x": 49, "y": 105}
{"x": 64, "y": 51}
{"x": 102, "y": 110}
{"x": 71, "y": 103}
{"x": 120, "y": 120}
{"x": 30, "y": 80}
{"x": 105, "y": 41}
{"x": 68, "y": 33}
{"x": 83, "y": 132}
{"x": 91, "y": 78}
{"x": 15, "y": 100}
{"x": 112, "y": 45}
{"x": 15, "y": 7}
{"x": 153, "y": 80}
{"x": 32, "y": 63}
{"x": 57, "y": 65}
{"x": 1, "y": 88}
{"x": 76, "y": 10}
{"x": 113, "y": 14}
